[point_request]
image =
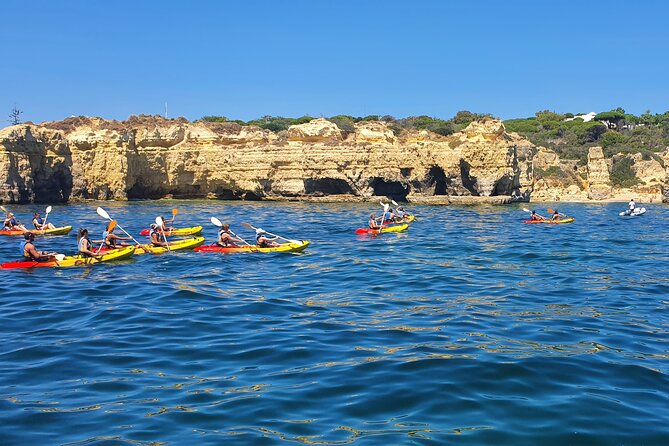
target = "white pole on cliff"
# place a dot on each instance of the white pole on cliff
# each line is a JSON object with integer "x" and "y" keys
{"x": 165, "y": 109}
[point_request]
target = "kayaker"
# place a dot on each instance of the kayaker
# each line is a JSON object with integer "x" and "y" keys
{"x": 84, "y": 244}
{"x": 372, "y": 222}
{"x": 536, "y": 217}
{"x": 556, "y": 215}
{"x": 38, "y": 222}
{"x": 155, "y": 235}
{"x": 110, "y": 239}
{"x": 263, "y": 241}
{"x": 400, "y": 213}
{"x": 226, "y": 239}
{"x": 388, "y": 216}
{"x": 165, "y": 227}
{"x": 29, "y": 251}
{"x": 12, "y": 224}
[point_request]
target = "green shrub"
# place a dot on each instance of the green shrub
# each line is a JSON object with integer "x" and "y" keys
{"x": 345, "y": 123}
{"x": 552, "y": 171}
{"x": 622, "y": 174}
{"x": 279, "y": 123}
{"x": 611, "y": 138}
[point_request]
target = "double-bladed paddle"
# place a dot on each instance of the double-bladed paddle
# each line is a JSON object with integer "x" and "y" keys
{"x": 48, "y": 210}
{"x": 218, "y": 223}
{"x": 102, "y": 213}
{"x": 161, "y": 223}
{"x": 247, "y": 225}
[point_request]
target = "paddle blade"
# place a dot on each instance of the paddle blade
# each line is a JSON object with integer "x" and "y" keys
{"x": 111, "y": 226}
{"x": 216, "y": 221}
{"x": 3, "y": 208}
{"x": 527, "y": 210}
{"x": 102, "y": 213}
{"x": 246, "y": 225}
{"x": 394, "y": 203}
{"x": 175, "y": 211}
{"x": 60, "y": 257}
{"x": 550, "y": 210}
{"x": 159, "y": 221}
{"x": 48, "y": 209}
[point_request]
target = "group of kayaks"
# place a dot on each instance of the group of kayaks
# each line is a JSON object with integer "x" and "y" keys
{"x": 196, "y": 242}
{"x": 193, "y": 241}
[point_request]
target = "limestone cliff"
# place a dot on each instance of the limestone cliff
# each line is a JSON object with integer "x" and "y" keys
{"x": 153, "y": 157}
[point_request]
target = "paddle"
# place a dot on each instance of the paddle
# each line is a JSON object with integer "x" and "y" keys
{"x": 48, "y": 210}
{"x": 246, "y": 225}
{"x": 175, "y": 211}
{"x": 218, "y": 223}
{"x": 110, "y": 228}
{"x": 551, "y": 211}
{"x": 541, "y": 217}
{"x": 386, "y": 206}
{"x": 160, "y": 223}
{"x": 102, "y": 213}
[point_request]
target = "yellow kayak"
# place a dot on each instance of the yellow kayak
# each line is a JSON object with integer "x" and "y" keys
{"x": 300, "y": 246}
{"x": 78, "y": 260}
{"x": 394, "y": 228}
{"x": 177, "y": 245}
{"x": 195, "y": 230}
{"x": 55, "y": 231}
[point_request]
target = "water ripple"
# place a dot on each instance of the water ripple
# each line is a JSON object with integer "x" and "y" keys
{"x": 471, "y": 327}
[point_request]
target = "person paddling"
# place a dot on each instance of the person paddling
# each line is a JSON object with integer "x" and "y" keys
{"x": 536, "y": 217}
{"x": 263, "y": 241}
{"x": 12, "y": 224}
{"x": 372, "y": 222}
{"x": 110, "y": 239}
{"x": 166, "y": 228}
{"x": 557, "y": 215}
{"x": 84, "y": 244}
{"x": 31, "y": 253}
{"x": 388, "y": 216}
{"x": 38, "y": 222}
{"x": 226, "y": 239}
{"x": 155, "y": 235}
{"x": 400, "y": 214}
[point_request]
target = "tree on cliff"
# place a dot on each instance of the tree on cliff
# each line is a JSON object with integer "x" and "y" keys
{"x": 614, "y": 119}
{"x": 15, "y": 115}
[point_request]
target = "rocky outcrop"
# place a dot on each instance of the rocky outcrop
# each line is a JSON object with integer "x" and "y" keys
{"x": 153, "y": 157}
{"x": 598, "y": 175}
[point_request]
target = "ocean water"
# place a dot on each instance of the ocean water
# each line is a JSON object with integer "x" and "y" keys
{"x": 470, "y": 328}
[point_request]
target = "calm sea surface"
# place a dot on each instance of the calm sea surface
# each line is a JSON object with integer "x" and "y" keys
{"x": 470, "y": 328}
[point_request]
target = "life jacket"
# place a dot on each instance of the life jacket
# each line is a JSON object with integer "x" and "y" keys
{"x": 220, "y": 233}
{"x": 263, "y": 244}
{"x": 80, "y": 243}
{"x": 154, "y": 231}
{"x": 26, "y": 254}
{"x": 400, "y": 214}
{"x": 387, "y": 216}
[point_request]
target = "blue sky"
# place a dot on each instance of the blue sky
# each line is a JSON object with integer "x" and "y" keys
{"x": 246, "y": 59}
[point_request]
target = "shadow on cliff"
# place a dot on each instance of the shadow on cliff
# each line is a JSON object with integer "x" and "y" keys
{"x": 393, "y": 189}
{"x": 37, "y": 175}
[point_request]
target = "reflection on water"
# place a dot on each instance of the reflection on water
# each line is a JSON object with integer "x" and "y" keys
{"x": 471, "y": 326}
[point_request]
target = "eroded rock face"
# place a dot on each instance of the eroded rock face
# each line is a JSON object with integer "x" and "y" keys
{"x": 153, "y": 157}
{"x": 598, "y": 175}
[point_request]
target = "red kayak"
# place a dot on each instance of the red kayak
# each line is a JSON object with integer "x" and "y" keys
{"x": 395, "y": 228}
